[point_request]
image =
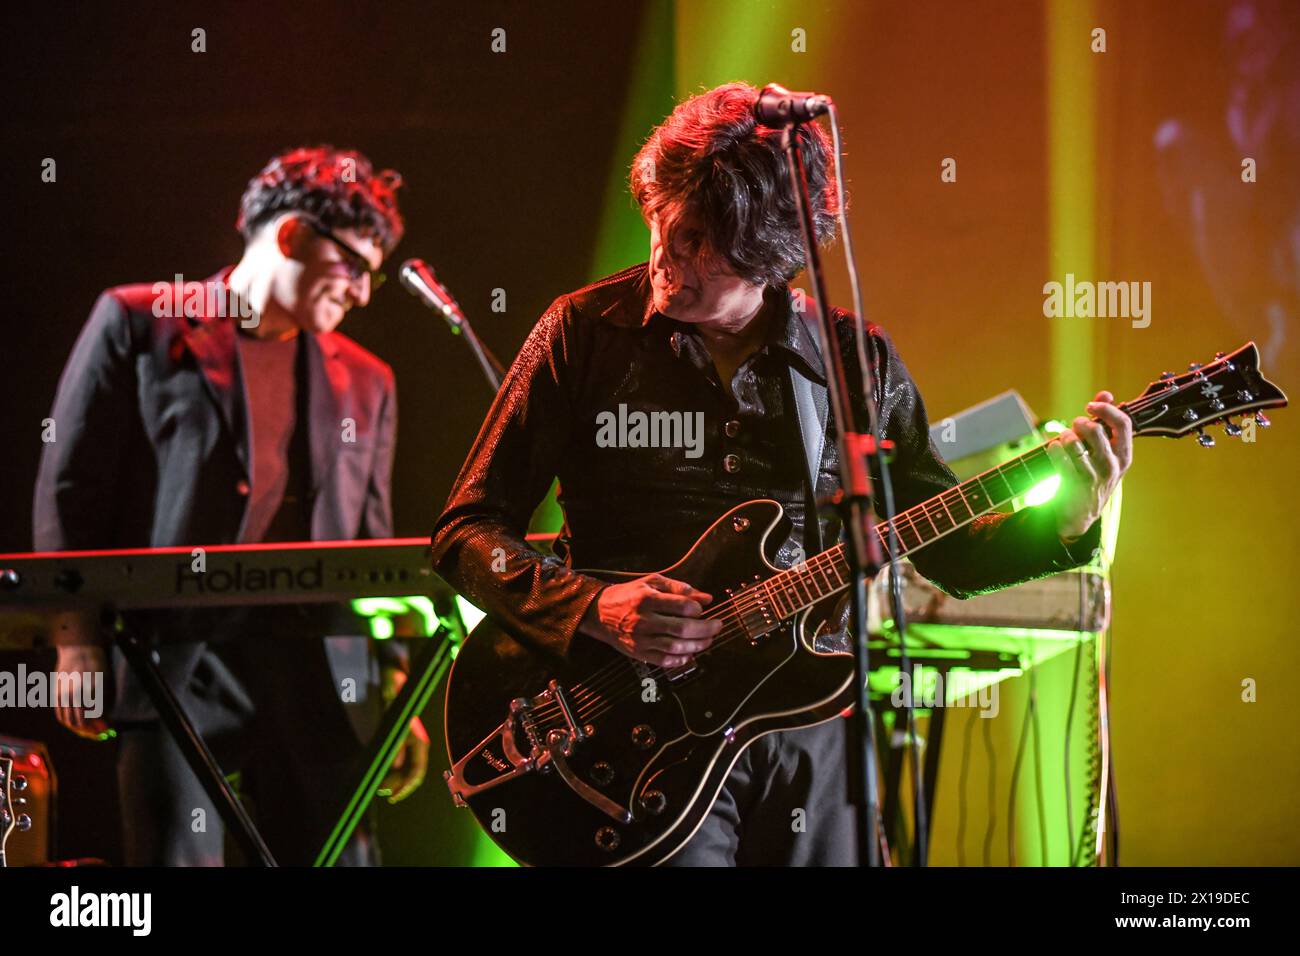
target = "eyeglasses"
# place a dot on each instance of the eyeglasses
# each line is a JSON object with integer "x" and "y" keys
{"x": 356, "y": 263}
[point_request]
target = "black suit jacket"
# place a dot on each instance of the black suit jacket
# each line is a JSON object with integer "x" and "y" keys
{"x": 152, "y": 449}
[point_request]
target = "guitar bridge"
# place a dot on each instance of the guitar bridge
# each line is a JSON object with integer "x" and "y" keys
{"x": 499, "y": 757}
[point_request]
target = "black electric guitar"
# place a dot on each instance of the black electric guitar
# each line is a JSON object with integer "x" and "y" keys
{"x": 603, "y": 760}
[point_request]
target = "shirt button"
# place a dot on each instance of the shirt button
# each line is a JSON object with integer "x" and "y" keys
{"x": 242, "y": 487}
{"x": 732, "y": 428}
{"x": 731, "y": 464}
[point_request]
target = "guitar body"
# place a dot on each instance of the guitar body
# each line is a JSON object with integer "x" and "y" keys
{"x": 657, "y": 745}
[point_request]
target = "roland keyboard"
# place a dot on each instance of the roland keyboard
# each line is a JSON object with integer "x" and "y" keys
{"x": 230, "y": 574}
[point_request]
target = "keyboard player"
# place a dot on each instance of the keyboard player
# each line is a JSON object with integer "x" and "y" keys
{"x": 228, "y": 411}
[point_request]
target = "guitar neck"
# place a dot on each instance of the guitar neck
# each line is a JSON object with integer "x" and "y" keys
{"x": 826, "y": 574}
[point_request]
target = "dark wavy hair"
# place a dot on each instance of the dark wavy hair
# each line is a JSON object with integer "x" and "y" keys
{"x": 339, "y": 188}
{"x": 712, "y": 164}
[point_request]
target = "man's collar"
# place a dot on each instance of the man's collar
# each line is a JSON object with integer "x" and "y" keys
{"x": 790, "y": 331}
{"x": 793, "y": 332}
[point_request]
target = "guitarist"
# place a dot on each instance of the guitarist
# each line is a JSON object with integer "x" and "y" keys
{"x": 708, "y": 327}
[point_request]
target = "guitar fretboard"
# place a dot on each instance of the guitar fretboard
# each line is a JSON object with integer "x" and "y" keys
{"x": 803, "y": 585}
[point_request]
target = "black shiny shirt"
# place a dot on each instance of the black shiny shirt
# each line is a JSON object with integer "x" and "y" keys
{"x": 569, "y": 407}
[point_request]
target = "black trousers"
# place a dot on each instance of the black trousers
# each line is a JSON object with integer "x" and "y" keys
{"x": 266, "y": 705}
{"x": 785, "y": 803}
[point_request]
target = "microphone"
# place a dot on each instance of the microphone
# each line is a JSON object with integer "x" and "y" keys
{"x": 777, "y": 106}
{"x": 418, "y": 278}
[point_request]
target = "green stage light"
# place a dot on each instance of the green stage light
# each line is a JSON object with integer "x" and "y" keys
{"x": 469, "y": 614}
{"x": 380, "y": 611}
{"x": 1043, "y": 492}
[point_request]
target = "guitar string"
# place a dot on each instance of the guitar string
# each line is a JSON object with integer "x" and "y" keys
{"x": 598, "y": 688}
{"x": 786, "y": 584}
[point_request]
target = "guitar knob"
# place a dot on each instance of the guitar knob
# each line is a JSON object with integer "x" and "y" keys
{"x": 1262, "y": 420}
{"x": 1231, "y": 429}
{"x": 602, "y": 774}
{"x": 607, "y": 839}
{"x": 643, "y": 736}
{"x": 654, "y": 801}
{"x": 24, "y": 823}
{"x": 1204, "y": 440}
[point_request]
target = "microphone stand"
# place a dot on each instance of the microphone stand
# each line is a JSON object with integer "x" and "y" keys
{"x": 863, "y": 546}
{"x": 486, "y": 360}
{"x": 428, "y": 290}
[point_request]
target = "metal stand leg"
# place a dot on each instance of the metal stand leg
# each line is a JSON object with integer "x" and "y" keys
{"x": 892, "y": 758}
{"x": 196, "y": 752}
{"x": 430, "y": 663}
{"x": 934, "y": 737}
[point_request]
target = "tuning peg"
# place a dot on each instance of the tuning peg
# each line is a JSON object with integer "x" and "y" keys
{"x": 20, "y": 782}
{"x": 1165, "y": 376}
{"x": 1231, "y": 429}
{"x": 1204, "y": 440}
{"x": 1219, "y": 355}
{"x": 1262, "y": 420}
{"x": 1194, "y": 366}
{"x": 24, "y": 823}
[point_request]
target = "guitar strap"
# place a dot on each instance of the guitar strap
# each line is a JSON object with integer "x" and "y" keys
{"x": 812, "y": 405}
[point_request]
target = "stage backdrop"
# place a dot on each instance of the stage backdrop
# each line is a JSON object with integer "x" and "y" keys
{"x": 991, "y": 148}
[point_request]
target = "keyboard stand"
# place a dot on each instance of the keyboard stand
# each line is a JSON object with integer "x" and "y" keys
{"x": 140, "y": 659}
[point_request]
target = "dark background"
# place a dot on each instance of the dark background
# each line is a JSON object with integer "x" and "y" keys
{"x": 504, "y": 157}
{"x": 1123, "y": 165}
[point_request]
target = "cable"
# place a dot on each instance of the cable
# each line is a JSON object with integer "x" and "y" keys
{"x": 1038, "y": 770}
{"x": 1088, "y": 825}
{"x": 993, "y": 792}
{"x": 961, "y": 789}
{"x": 1015, "y": 783}
{"x": 1069, "y": 724}
{"x": 1108, "y": 754}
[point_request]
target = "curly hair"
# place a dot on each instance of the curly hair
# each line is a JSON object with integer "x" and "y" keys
{"x": 712, "y": 164}
{"x": 339, "y": 188}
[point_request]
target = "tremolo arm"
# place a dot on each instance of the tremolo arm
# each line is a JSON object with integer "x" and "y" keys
{"x": 551, "y": 748}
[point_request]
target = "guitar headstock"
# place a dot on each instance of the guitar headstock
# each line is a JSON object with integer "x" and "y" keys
{"x": 1230, "y": 386}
